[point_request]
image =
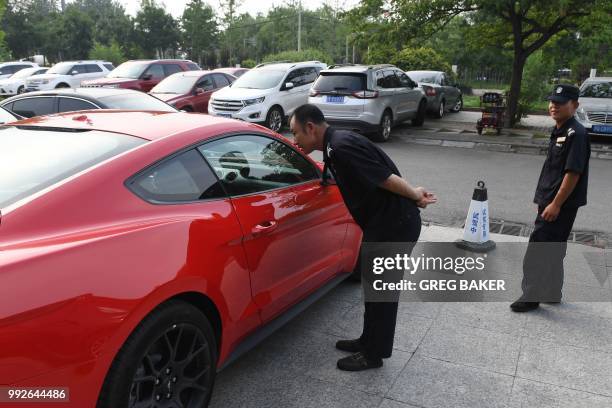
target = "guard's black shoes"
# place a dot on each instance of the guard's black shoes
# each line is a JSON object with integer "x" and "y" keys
{"x": 352, "y": 346}
{"x": 358, "y": 362}
{"x": 520, "y": 306}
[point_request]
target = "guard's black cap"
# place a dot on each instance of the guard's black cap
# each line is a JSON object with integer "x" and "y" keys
{"x": 564, "y": 93}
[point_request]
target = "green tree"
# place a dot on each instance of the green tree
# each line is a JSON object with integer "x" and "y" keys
{"x": 157, "y": 31}
{"x": 112, "y": 53}
{"x": 76, "y": 33}
{"x": 414, "y": 59}
{"x": 199, "y": 32}
{"x": 297, "y": 56}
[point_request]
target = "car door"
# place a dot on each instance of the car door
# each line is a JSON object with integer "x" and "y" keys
{"x": 151, "y": 77}
{"x": 203, "y": 89}
{"x": 413, "y": 94}
{"x": 452, "y": 90}
{"x": 296, "y": 96}
{"x": 34, "y": 106}
{"x": 400, "y": 97}
{"x": 293, "y": 226}
{"x": 78, "y": 73}
{"x": 94, "y": 71}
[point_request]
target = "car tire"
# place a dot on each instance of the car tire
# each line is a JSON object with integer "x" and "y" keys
{"x": 458, "y": 105}
{"x": 274, "y": 119}
{"x": 62, "y": 85}
{"x": 171, "y": 355}
{"x": 440, "y": 111}
{"x": 420, "y": 117}
{"x": 20, "y": 90}
{"x": 384, "y": 132}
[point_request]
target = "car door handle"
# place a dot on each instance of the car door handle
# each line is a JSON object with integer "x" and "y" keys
{"x": 264, "y": 227}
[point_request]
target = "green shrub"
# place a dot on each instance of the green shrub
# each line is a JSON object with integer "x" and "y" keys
{"x": 111, "y": 53}
{"x": 295, "y": 56}
{"x": 415, "y": 59}
{"x": 248, "y": 63}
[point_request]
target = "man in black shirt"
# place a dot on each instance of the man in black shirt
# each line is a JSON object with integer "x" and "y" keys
{"x": 562, "y": 188}
{"x": 381, "y": 202}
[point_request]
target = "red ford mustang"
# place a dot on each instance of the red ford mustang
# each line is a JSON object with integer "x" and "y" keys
{"x": 141, "y": 252}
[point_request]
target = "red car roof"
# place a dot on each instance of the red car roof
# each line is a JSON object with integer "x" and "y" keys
{"x": 144, "y": 124}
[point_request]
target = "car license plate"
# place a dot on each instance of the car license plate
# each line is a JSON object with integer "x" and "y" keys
{"x": 335, "y": 99}
{"x": 225, "y": 115}
{"x": 602, "y": 129}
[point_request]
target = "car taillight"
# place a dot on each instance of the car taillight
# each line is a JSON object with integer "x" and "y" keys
{"x": 365, "y": 94}
{"x": 313, "y": 93}
{"x": 430, "y": 92}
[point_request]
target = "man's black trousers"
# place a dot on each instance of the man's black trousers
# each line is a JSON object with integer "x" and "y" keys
{"x": 380, "y": 317}
{"x": 543, "y": 262}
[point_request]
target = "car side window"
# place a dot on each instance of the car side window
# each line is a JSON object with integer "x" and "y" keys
{"x": 80, "y": 69}
{"x": 249, "y": 164}
{"x": 40, "y": 71}
{"x": 310, "y": 75}
{"x": 30, "y": 107}
{"x": 192, "y": 66}
{"x": 72, "y": 104}
{"x": 405, "y": 81}
{"x": 155, "y": 70}
{"x": 380, "y": 79}
{"x": 91, "y": 68}
{"x": 296, "y": 77}
{"x": 170, "y": 69}
{"x": 205, "y": 83}
{"x": 220, "y": 80}
{"x": 391, "y": 80}
{"x": 182, "y": 178}
{"x": 110, "y": 67}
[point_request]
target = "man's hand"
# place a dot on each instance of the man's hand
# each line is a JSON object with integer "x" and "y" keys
{"x": 551, "y": 212}
{"x": 428, "y": 198}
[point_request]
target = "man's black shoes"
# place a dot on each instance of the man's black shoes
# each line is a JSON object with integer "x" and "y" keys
{"x": 519, "y": 306}
{"x": 352, "y": 346}
{"x": 358, "y": 362}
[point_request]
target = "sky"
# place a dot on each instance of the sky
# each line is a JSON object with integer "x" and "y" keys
{"x": 175, "y": 7}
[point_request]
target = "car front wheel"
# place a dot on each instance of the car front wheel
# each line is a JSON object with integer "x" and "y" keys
{"x": 168, "y": 361}
{"x": 384, "y": 132}
{"x": 458, "y": 105}
{"x": 440, "y": 110}
{"x": 274, "y": 120}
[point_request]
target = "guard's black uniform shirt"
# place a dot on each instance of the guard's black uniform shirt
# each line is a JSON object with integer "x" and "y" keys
{"x": 359, "y": 167}
{"x": 569, "y": 150}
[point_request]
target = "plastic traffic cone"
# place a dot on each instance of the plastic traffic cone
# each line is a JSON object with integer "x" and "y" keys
{"x": 476, "y": 230}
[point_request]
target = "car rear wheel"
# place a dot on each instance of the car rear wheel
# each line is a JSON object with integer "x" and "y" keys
{"x": 21, "y": 89}
{"x": 458, "y": 105}
{"x": 440, "y": 110}
{"x": 420, "y": 117}
{"x": 168, "y": 361}
{"x": 384, "y": 132}
{"x": 274, "y": 120}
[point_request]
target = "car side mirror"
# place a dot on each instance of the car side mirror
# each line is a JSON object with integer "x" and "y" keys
{"x": 288, "y": 85}
{"x": 75, "y": 72}
{"x": 147, "y": 77}
{"x": 413, "y": 84}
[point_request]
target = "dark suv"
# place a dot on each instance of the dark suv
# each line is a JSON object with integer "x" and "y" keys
{"x": 141, "y": 75}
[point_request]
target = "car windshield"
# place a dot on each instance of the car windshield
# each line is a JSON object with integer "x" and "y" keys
{"x": 259, "y": 79}
{"x": 62, "y": 68}
{"x": 24, "y": 73}
{"x": 176, "y": 84}
{"x": 32, "y": 159}
{"x": 597, "y": 90}
{"x": 427, "y": 77}
{"x": 340, "y": 83}
{"x": 136, "y": 101}
{"x": 6, "y": 117}
{"x": 130, "y": 69}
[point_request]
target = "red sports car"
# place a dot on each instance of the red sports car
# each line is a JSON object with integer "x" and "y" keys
{"x": 140, "y": 252}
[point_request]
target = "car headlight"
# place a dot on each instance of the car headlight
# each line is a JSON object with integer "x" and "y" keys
{"x": 581, "y": 114}
{"x": 254, "y": 101}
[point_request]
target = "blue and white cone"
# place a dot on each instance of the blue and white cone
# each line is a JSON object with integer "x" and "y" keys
{"x": 476, "y": 230}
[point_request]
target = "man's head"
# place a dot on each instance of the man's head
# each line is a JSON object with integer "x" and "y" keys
{"x": 308, "y": 127}
{"x": 563, "y": 102}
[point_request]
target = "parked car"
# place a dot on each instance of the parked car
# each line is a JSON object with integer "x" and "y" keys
{"x": 267, "y": 94}
{"x": 237, "y": 72}
{"x": 442, "y": 94}
{"x": 141, "y": 75}
{"x": 7, "y": 117}
{"x": 368, "y": 98}
{"x": 68, "y": 74}
{"x": 141, "y": 253}
{"x": 190, "y": 91}
{"x": 15, "y": 84}
{"x": 9, "y": 68}
{"x": 66, "y": 100}
{"x": 595, "y": 110}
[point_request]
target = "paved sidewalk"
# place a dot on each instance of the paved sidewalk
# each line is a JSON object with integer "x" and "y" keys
{"x": 447, "y": 355}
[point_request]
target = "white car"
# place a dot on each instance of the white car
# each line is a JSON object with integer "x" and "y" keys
{"x": 9, "y": 68}
{"x": 15, "y": 84}
{"x": 68, "y": 74}
{"x": 7, "y": 117}
{"x": 267, "y": 94}
{"x": 595, "y": 110}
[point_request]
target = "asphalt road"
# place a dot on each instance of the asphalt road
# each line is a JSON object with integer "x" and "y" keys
{"x": 510, "y": 178}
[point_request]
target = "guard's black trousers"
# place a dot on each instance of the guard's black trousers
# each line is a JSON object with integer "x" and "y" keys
{"x": 380, "y": 317}
{"x": 543, "y": 262}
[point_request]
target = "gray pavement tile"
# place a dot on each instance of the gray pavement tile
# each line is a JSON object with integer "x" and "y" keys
{"x": 566, "y": 366}
{"x": 493, "y": 316}
{"x": 473, "y": 347}
{"x": 531, "y": 394}
{"x": 387, "y": 403}
{"x": 438, "y": 384}
{"x": 602, "y": 309}
{"x": 348, "y": 291}
{"x": 323, "y": 315}
{"x": 423, "y": 309}
{"x": 570, "y": 328}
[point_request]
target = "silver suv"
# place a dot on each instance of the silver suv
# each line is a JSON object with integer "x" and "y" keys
{"x": 595, "y": 110}
{"x": 368, "y": 98}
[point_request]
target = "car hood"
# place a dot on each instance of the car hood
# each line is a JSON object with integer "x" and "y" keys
{"x": 166, "y": 97}
{"x": 241, "y": 93}
{"x": 596, "y": 104}
{"x": 109, "y": 81}
{"x": 45, "y": 76}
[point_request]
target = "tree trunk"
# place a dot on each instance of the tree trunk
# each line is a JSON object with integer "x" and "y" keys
{"x": 512, "y": 109}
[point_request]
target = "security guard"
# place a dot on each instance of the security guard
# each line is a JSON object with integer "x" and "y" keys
{"x": 381, "y": 202}
{"x": 561, "y": 190}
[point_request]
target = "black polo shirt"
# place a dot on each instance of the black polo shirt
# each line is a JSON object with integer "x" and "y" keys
{"x": 569, "y": 150}
{"x": 359, "y": 167}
